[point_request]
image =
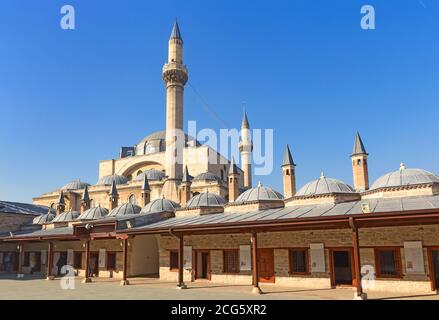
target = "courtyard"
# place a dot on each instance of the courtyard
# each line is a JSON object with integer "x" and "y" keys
{"x": 31, "y": 288}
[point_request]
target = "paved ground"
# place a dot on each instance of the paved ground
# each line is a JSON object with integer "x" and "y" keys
{"x": 146, "y": 288}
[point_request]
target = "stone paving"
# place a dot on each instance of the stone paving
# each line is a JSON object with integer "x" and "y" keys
{"x": 31, "y": 288}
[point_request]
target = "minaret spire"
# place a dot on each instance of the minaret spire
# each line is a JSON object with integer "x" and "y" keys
{"x": 360, "y": 165}
{"x": 175, "y": 76}
{"x": 246, "y": 148}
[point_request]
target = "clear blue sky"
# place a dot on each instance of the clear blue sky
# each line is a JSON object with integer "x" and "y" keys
{"x": 304, "y": 68}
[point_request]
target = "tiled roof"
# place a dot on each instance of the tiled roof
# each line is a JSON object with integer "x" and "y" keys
{"x": 22, "y": 208}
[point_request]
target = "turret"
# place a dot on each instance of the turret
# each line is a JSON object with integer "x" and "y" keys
{"x": 289, "y": 174}
{"x": 359, "y": 165}
{"x": 113, "y": 196}
{"x": 233, "y": 181}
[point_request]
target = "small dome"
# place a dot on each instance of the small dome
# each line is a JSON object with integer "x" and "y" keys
{"x": 207, "y": 176}
{"x": 260, "y": 193}
{"x": 324, "y": 186}
{"x": 124, "y": 210}
{"x": 206, "y": 199}
{"x": 93, "y": 213}
{"x": 43, "y": 219}
{"x": 405, "y": 177}
{"x": 156, "y": 142}
{"x": 108, "y": 180}
{"x": 75, "y": 185}
{"x": 67, "y": 216}
{"x": 151, "y": 175}
{"x": 160, "y": 205}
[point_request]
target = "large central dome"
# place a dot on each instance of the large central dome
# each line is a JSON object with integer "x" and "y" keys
{"x": 156, "y": 142}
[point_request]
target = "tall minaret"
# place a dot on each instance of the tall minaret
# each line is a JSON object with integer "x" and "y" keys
{"x": 359, "y": 165}
{"x": 246, "y": 148}
{"x": 175, "y": 76}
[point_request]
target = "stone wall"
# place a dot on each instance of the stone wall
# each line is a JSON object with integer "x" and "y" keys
{"x": 13, "y": 221}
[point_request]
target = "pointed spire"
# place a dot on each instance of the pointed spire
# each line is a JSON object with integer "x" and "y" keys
{"x": 245, "y": 123}
{"x": 175, "y": 34}
{"x": 86, "y": 196}
{"x": 233, "y": 168}
{"x": 358, "y": 146}
{"x": 288, "y": 159}
{"x": 186, "y": 176}
{"x": 113, "y": 191}
{"x": 145, "y": 185}
{"x": 61, "y": 200}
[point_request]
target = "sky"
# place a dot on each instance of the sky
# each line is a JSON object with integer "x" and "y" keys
{"x": 306, "y": 69}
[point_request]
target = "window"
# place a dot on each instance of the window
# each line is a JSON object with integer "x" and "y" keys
{"x": 173, "y": 263}
{"x": 26, "y": 262}
{"x": 231, "y": 261}
{"x": 132, "y": 199}
{"x": 298, "y": 261}
{"x": 358, "y": 162}
{"x": 388, "y": 262}
{"x": 77, "y": 260}
{"x": 111, "y": 260}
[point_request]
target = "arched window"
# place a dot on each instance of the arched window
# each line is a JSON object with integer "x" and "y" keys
{"x": 139, "y": 172}
{"x": 132, "y": 199}
{"x": 287, "y": 172}
{"x": 92, "y": 203}
{"x": 358, "y": 162}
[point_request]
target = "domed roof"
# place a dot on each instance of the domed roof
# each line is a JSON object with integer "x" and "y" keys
{"x": 206, "y": 199}
{"x": 108, "y": 180}
{"x": 207, "y": 176}
{"x": 158, "y": 138}
{"x": 75, "y": 185}
{"x": 405, "y": 177}
{"x": 67, "y": 216}
{"x": 160, "y": 205}
{"x": 45, "y": 218}
{"x": 124, "y": 210}
{"x": 151, "y": 175}
{"x": 259, "y": 193}
{"x": 93, "y": 213}
{"x": 324, "y": 186}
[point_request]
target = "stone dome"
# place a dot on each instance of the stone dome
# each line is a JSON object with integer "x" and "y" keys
{"x": 108, "y": 180}
{"x": 124, "y": 210}
{"x": 43, "y": 219}
{"x": 324, "y": 186}
{"x": 405, "y": 177}
{"x": 67, "y": 216}
{"x": 259, "y": 193}
{"x": 206, "y": 176}
{"x": 75, "y": 185}
{"x": 160, "y": 205}
{"x": 206, "y": 199}
{"x": 94, "y": 213}
{"x": 151, "y": 175}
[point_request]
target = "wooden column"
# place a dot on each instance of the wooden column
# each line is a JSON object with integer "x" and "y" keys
{"x": 20, "y": 259}
{"x": 255, "y": 267}
{"x": 357, "y": 262}
{"x": 49, "y": 262}
{"x": 181, "y": 284}
{"x": 124, "y": 281}
{"x": 87, "y": 278}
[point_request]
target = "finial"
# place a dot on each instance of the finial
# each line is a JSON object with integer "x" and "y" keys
{"x": 402, "y": 166}
{"x": 259, "y": 184}
{"x": 322, "y": 175}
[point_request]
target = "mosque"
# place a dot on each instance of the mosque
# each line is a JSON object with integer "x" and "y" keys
{"x": 187, "y": 220}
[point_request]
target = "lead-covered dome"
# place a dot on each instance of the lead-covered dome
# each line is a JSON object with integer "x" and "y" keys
{"x": 405, "y": 177}
{"x": 124, "y": 210}
{"x": 260, "y": 193}
{"x": 44, "y": 218}
{"x": 156, "y": 142}
{"x": 67, "y": 216}
{"x": 324, "y": 186}
{"x": 94, "y": 213}
{"x": 206, "y": 176}
{"x": 206, "y": 199}
{"x": 75, "y": 185}
{"x": 151, "y": 175}
{"x": 108, "y": 180}
{"x": 160, "y": 205}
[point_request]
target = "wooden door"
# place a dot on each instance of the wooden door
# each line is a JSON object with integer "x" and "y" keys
{"x": 434, "y": 268}
{"x": 266, "y": 265}
{"x": 342, "y": 271}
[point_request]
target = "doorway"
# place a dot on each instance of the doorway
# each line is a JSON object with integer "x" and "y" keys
{"x": 202, "y": 265}
{"x": 94, "y": 264}
{"x": 60, "y": 262}
{"x": 434, "y": 256}
{"x": 342, "y": 268}
{"x": 266, "y": 265}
